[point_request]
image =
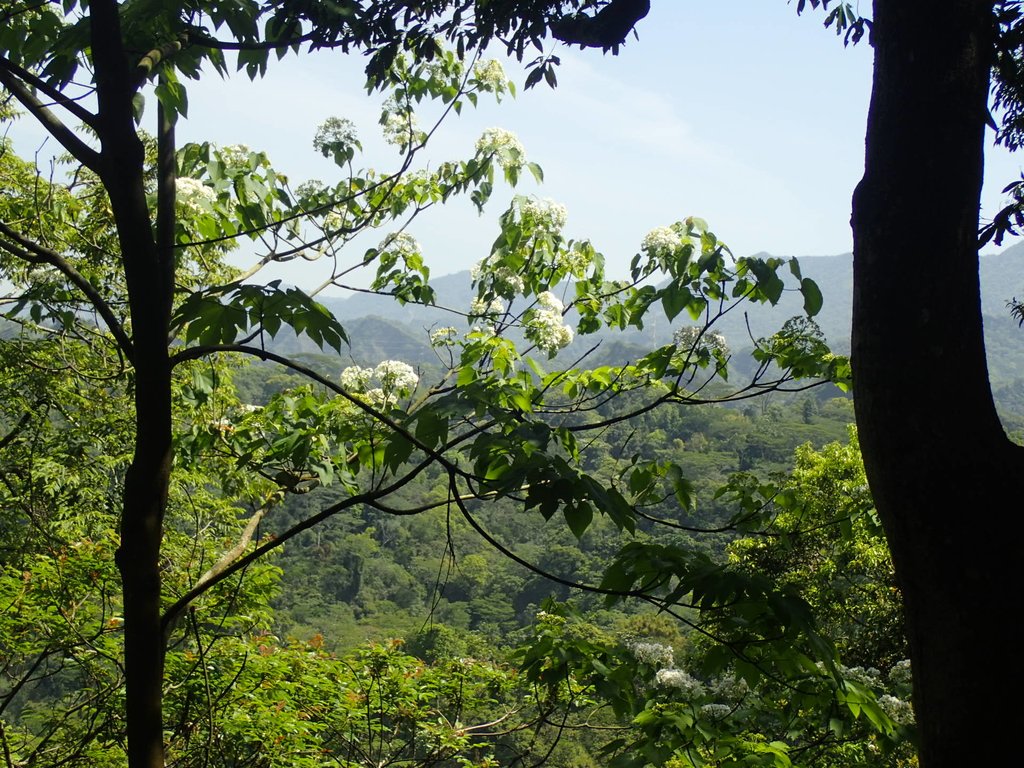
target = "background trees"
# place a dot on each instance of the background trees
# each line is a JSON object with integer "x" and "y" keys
{"x": 148, "y": 291}
{"x": 118, "y": 269}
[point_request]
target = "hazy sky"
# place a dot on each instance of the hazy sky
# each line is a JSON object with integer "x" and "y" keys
{"x": 741, "y": 112}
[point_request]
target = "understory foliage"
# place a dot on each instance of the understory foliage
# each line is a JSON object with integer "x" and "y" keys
{"x": 512, "y": 412}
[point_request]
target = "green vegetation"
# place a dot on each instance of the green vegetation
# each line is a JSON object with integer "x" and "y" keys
{"x": 190, "y": 578}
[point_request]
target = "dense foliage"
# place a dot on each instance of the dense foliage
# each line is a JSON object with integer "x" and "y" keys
{"x": 148, "y": 511}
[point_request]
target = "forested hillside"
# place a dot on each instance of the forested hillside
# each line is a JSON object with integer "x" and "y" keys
{"x": 545, "y": 513}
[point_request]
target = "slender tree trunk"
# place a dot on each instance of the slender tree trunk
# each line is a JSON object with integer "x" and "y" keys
{"x": 945, "y": 478}
{"x": 148, "y": 275}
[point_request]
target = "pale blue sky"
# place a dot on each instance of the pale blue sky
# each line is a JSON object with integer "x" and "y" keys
{"x": 741, "y": 112}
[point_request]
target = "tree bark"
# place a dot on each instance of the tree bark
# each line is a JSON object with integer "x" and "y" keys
{"x": 149, "y": 279}
{"x": 945, "y": 478}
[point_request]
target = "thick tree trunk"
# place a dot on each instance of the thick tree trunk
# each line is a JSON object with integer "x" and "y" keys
{"x": 149, "y": 276}
{"x": 945, "y": 478}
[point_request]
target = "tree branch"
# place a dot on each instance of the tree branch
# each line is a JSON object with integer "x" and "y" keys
{"x": 179, "y": 605}
{"x": 59, "y": 98}
{"x": 33, "y": 253}
{"x": 243, "y": 541}
{"x": 82, "y": 152}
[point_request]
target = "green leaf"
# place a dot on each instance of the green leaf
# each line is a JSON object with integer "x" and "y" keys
{"x": 812, "y": 296}
{"x": 578, "y": 516}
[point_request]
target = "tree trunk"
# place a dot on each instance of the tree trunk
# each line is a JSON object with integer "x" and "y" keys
{"x": 149, "y": 277}
{"x": 945, "y": 478}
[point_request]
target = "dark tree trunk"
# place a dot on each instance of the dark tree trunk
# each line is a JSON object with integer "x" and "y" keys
{"x": 946, "y": 480}
{"x": 149, "y": 276}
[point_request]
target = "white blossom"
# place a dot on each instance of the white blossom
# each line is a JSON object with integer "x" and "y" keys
{"x": 549, "y": 331}
{"x": 400, "y": 128}
{"x": 442, "y": 337}
{"x": 356, "y": 379}
{"x": 396, "y": 376}
{"x": 661, "y": 241}
{"x": 654, "y": 654}
{"x": 402, "y": 243}
{"x": 678, "y": 678}
{"x": 491, "y": 75}
{"x": 694, "y": 336}
{"x": 900, "y": 673}
{"x": 333, "y": 222}
{"x": 575, "y": 260}
{"x": 546, "y": 214}
{"x": 483, "y": 307}
{"x": 548, "y": 300}
{"x": 730, "y": 687}
{"x": 715, "y": 711}
{"x": 868, "y": 676}
{"x": 507, "y": 282}
{"x": 194, "y": 196}
{"x": 335, "y": 135}
{"x": 378, "y": 398}
{"x": 899, "y": 710}
{"x": 310, "y": 188}
{"x": 235, "y": 154}
{"x": 504, "y": 145}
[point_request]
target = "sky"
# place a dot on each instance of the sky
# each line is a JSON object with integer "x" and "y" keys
{"x": 742, "y": 113}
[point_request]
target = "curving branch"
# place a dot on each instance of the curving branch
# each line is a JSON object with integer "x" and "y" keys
{"x": 71, "y": 105}
{"x": 34, "y": 253}
{"x": 82, "y": 152}
{"x": 175, "y": 609}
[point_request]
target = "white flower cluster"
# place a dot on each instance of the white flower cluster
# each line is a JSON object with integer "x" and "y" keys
{"x": 310, "y": 188}
{"x": 333, "y": 134}
{"x": 670, "y": 677}
{"x": 400, "y": 128}
{"x": 333, "y": 222}
{"x": 868, "y": 676}
{"x": 194, "y": 196}
{"x": 356, "y": 379}
{"x": 497, "y": 141}
{"x": 396, "y": 379}
{"x": 402, "y": 243}
{"x": 688, "y": 338}
{"x": 547, "y": 327}
{"x": 730, "y": 687}
{"x": 504, "y": 280}
{"x": 661, "y": 241}
{"x": 491, "y": 75}
{"x": 546, "y": 214}
{"x": 508, "y": 283}
{"x": 235, "y": 154}
{"x": 654, "y": 654}
{"x": 715, "y": 711}
{"x": 900, "y": 673}
{"x": 482, "y": 307}
{"x": 575, "y": 260}
{"x": 899, "y": 710}
{"x": 442, "y": 337}
{"x": 396, "y": 376}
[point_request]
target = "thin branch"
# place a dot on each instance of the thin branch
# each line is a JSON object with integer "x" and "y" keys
{"x": 59, "y": 98}
{"x": 15, "y": 430}
{"x": 243, "y": 541}
{"x": 200, "y": 39}
{"x": 179, "y": 605}
{"x": 82, "y": 152}
{"x": 33, "y": 253}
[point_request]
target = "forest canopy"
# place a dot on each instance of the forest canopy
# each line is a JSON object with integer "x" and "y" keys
{"x": 151, "y": 515}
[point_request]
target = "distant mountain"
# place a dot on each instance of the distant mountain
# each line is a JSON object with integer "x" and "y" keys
{"x": 381, "y": 329}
